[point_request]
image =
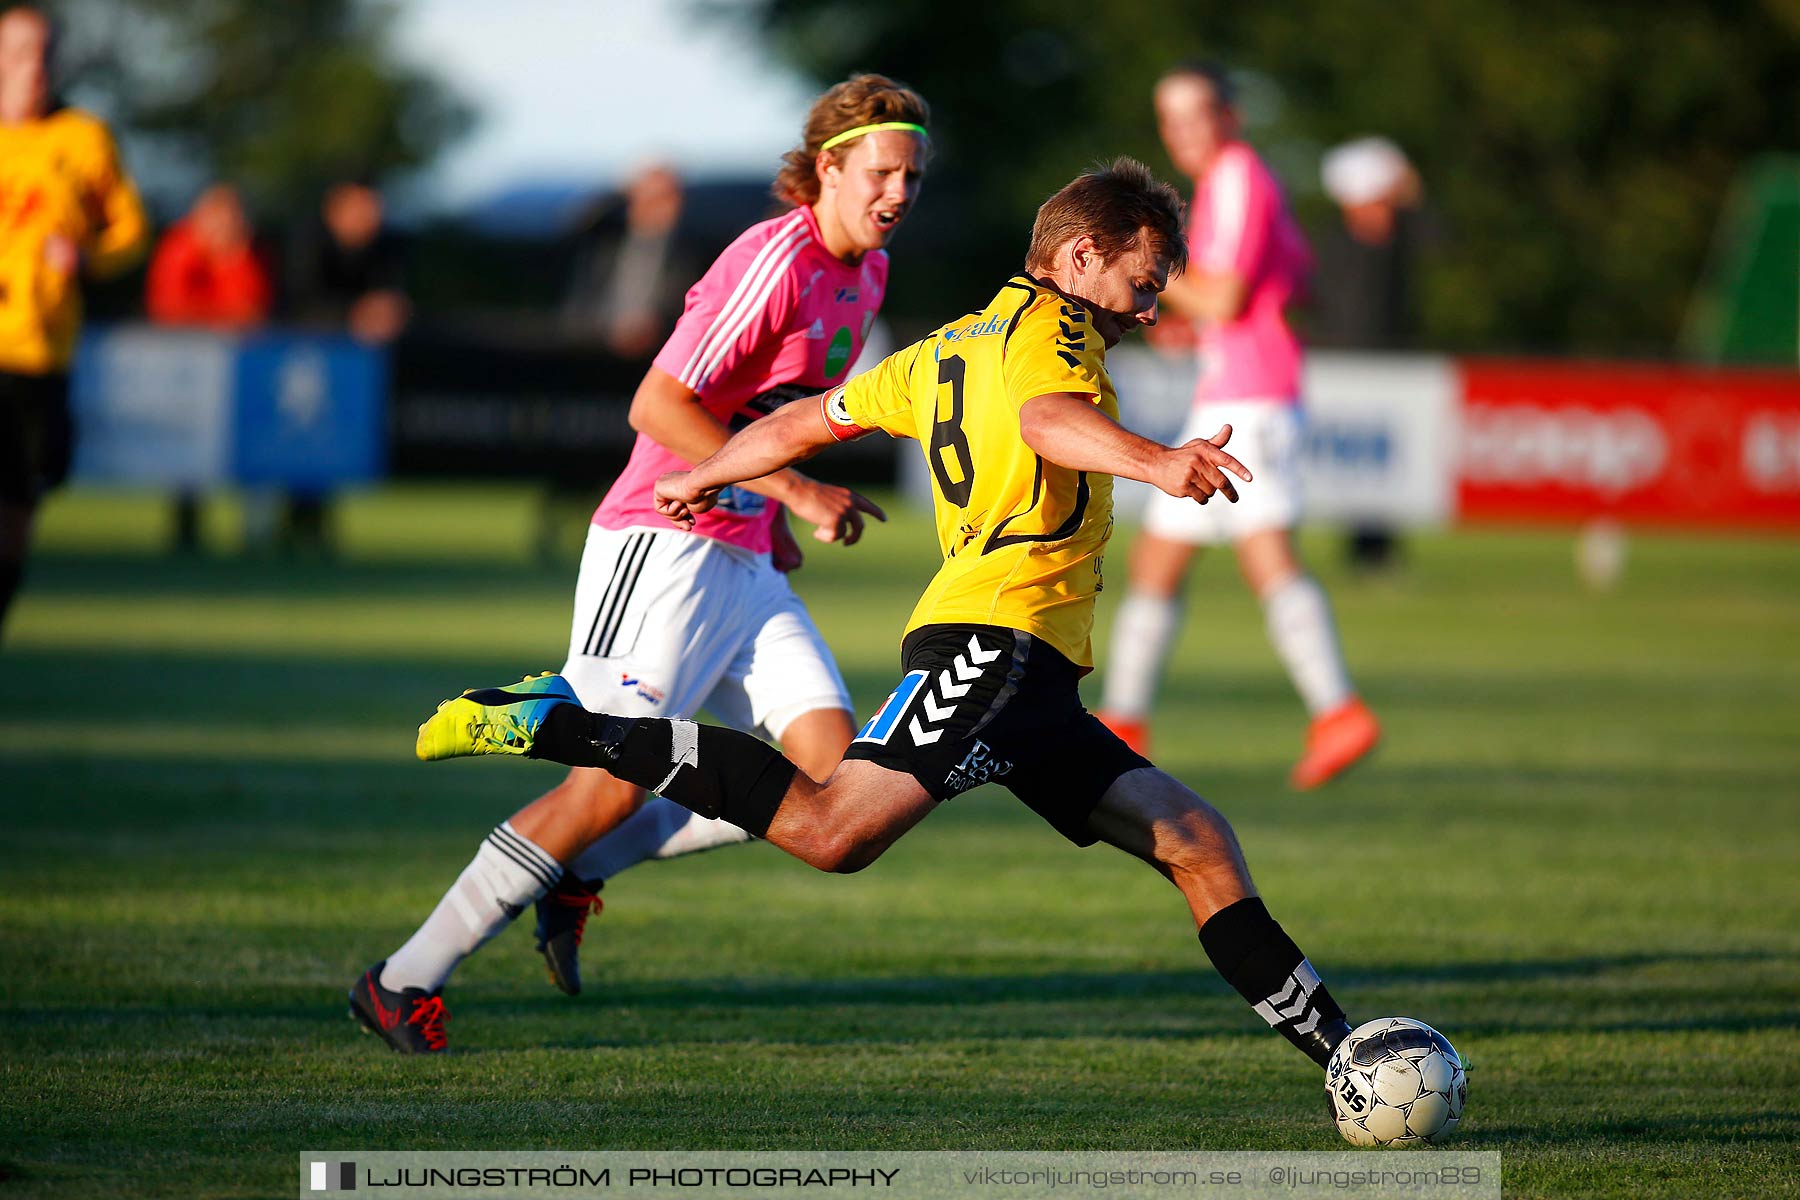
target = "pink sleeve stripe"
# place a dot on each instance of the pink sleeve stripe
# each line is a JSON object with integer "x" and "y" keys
{"x": 1228, "y": 195}
{"x": 747, "y": 299}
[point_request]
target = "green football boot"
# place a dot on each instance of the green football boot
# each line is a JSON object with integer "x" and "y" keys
{"x": 501, "y": 720}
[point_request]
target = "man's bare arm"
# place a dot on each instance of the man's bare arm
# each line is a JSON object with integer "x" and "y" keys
{"x": 1068, "y": 430}
{"x": 793, "y": 433}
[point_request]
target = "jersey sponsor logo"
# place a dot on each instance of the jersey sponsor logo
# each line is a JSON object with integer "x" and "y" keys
{"x": 645, "y": 691}
{"x": 837, "y": 355}
{"x": 962, "y": 333}
{"x": 978, "y": 766}
{"x": 881, "y": 726}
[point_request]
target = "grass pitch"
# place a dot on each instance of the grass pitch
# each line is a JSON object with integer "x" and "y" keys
{"x": 1576, "y": 855}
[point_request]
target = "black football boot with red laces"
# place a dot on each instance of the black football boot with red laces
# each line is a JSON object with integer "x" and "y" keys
{"x": 411, "y": 1021}
{"x": 562, "y": 916}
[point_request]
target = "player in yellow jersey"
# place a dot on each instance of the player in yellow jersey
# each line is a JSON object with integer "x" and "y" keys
{"x": 1018, "y": 420}
{"x": 65, "y": 205}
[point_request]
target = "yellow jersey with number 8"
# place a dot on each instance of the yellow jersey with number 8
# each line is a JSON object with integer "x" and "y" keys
{"x": 1021, "y": 537}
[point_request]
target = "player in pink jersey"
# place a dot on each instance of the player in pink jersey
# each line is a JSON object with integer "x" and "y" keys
{"x": 668, "y": 620}
{"x": 1248, "y": 262}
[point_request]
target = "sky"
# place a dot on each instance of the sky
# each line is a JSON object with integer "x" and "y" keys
{"x": 580, "y": 90}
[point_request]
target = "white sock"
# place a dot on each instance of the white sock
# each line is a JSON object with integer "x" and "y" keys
{"x": 1305, "y": 636}
{"x": 1142, "y": 635}
{"x": 660, "y": 829}
{"x": 507, "y": 874}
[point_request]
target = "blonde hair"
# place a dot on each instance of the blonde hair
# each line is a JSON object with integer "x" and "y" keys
{"x": 1116, "y": 205}
{"x": 859, "y": 100}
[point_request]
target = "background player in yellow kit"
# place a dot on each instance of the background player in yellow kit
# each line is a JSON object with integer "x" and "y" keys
{"x": 1019, "y": 422}
{"x": 66, "y": 206}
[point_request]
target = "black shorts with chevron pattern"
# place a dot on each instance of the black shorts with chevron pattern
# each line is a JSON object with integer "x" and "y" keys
{"x": 982, "y": 704}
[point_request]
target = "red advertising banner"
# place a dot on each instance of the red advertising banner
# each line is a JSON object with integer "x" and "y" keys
{"x": 1653, "y": 445}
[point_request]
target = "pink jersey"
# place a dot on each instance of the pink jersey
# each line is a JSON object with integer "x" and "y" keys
{"x": 777, "y": 313}
{"x": 1241, "y": 224}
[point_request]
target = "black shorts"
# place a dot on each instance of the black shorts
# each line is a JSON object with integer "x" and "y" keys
{"x": 980, "y": 703}
{"x": 37, "y": 436}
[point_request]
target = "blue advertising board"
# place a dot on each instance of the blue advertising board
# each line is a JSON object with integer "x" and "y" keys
{"x": 309, "y": 411}
{"x": 189, "y": 408}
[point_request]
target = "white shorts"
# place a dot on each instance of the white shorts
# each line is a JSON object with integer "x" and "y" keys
{"x": 669, "y": 622}
{"x": 1265, "y": 436}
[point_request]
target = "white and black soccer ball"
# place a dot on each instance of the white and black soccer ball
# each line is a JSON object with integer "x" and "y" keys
{"x": 1396, "y": 1082}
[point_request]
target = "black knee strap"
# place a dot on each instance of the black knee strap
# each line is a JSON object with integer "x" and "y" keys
{"x": 716, "y": 772}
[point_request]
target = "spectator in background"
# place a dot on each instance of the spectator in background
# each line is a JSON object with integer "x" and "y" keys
{"x": 349, "y": 275}
{"x": 629, "y": 287}
{"x": 1363, "y": 289}
{"x": 66, "y": 207}
{"x": 208, "y": 271}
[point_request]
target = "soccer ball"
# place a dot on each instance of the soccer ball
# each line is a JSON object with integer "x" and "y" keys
{"x": 1395, "y": 1082}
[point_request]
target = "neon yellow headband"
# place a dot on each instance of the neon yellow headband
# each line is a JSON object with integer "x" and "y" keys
{"x": 876, "y": 128}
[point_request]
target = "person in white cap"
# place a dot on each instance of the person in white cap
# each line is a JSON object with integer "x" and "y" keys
{"x": 1362, "y": 292}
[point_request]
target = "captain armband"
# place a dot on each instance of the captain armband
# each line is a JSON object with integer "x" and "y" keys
{"x": 837, "y": 417}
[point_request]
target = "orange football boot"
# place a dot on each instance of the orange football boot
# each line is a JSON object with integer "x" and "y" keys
{"x": 1334, "y": 743}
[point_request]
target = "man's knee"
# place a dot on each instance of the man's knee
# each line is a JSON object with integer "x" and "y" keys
{"x": 1195, "y": 839}
{"x": 844, "y": 831}
{"x": 846, "y": 853}
{"x": 1168, "y": 823}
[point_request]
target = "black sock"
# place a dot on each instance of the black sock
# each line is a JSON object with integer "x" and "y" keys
{"x": 707, "y": 769}
{"x": 1265, "y": 966}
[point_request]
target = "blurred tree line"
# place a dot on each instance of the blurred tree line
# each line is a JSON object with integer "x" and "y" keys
{"x": 1578, "y": 153}
{"x": 280, "y": 99}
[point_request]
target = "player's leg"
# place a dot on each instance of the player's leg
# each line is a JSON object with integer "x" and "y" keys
{"x": 15, "y": 540}
{"x": 623, "y": 575}
{"x": 36, "y": 448}
{"x": 398, "y": 998}
{"x": 1304, "y": 634}
{"x": 917, "y": 750}
{"x": 1095, "y": 788}
{"x": 662, "y": 829}
{"x": 780, "y": 681}
{"x": 781, "y": 685}
{"x": 510, "y": 871}
{"x": 1298, "y": 618}
{"x": 623, "y": 660}
{"x": 1144, "y": 631}
{"x": 841, "y": 824}
{"x": 1150, "y": 814}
